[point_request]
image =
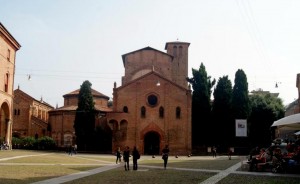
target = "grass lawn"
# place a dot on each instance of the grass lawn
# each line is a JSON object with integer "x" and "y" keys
{"x": 21, "y": 174}
{"x": 39, "y": 165}
{"x": 145, "y": 176}
{"x": 250, "y": 179}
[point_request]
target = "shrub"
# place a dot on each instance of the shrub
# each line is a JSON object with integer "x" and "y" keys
{"x": 29, "y": 142}
{"x": 46, "y": 143}
{"x": 16, "y": 142}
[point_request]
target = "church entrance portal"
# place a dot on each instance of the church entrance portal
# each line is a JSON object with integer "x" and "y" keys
{"x": 151, "y": 143}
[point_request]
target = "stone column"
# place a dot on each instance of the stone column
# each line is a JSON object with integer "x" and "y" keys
{"x": 8, "y": 133}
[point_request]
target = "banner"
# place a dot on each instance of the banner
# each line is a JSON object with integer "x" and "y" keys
{"x": 241, "y": 128}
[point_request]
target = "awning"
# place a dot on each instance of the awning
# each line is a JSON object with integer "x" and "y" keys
{"x": 291, "y": 122}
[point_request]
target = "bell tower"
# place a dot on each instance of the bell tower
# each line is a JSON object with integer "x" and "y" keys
{"x": 179, "y": 51}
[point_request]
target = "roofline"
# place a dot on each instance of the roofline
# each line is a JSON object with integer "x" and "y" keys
{"x": 6, "y": 33}
{"x": 145, "y": 48}
{"x": 176, "y": 42}
{"x": 44, "y": 103}
{"x": 94, "y": 95}
{"x": 150, "y": 73}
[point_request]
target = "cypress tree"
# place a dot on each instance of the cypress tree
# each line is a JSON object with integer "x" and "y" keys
{"x": 85, "y": 117}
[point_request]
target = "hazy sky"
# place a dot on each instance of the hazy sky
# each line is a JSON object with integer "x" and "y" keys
{"x": 65, "y": 42}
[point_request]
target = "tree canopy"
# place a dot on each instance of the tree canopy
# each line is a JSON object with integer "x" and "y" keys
{"x": 240, "y": 96}
{"x": 201, "y": 106}
{"x": 265, "y": 109}
{"x": 222, "y": 111}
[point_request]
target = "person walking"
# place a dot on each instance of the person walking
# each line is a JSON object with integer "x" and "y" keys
{"x": 135, "y": 157}
{"x": 126, "y": 158}
{"x": 165, "y": 155}
{"x": 118, "y": 154}
{"x": 70, "y": 150}
{"x": 214, "y": 151}
{"x": 75, "y": 149}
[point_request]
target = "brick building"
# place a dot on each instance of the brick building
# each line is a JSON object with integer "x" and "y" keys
{"x": 152, "y": 107}
{"x": 62, "y": 119}
{"x": 30, "y": 116}
{"x": 8, "y": 48}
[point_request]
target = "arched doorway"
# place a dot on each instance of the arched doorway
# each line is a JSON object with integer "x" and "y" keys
{"x": 151, "y": 143}
{"x": 5, "y": 129}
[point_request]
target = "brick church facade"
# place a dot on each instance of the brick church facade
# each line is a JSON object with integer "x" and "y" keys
{"x": 152, "y": 107}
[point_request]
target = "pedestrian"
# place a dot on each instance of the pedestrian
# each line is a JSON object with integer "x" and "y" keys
{"x": 70, "y": 150}
{"x": 135, "y": 157}
{"x": 75, "y": 149}
{"x": 229, "y": 153}
{"x": 214, "y": 151}
{"x": 126, "y": 158}
{"x": 118, "y": 154}
{"x": 165, "y": 155}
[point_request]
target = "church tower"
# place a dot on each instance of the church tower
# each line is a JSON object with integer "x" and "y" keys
{"x": 179, "y": 51}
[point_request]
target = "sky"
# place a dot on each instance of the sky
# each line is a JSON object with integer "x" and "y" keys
{"x": 65, "y": 42}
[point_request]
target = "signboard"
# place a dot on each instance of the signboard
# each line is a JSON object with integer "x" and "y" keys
{"x": 241, "y": 128}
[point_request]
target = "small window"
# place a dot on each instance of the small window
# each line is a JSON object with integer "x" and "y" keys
{"x": 18, "y": 111}
{"x": 15, "y": 111}
{"x": 178, "y": 111}
{"x": 6, "y": 82}
{"x": 175, "y": 51}
{"x": 143, "y": 112}
{"x": 180, "y": 51}
{"x": 125, "y": 109}
{"x": 161, "y": 112}
{"x": 8, "y": 54}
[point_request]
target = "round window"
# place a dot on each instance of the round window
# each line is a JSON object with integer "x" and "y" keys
{"x": 152, "y": 100}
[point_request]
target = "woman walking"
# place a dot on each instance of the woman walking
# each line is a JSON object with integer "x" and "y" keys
{"x": 165, "y": 155}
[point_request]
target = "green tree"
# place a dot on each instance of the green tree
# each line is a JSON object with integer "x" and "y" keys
{"x": 265, "y": 109}
{"x": 222, "y": 112}
{"x": 85, "y": 117}
{"x": 240, "y": 97}
{"x": 201, "y": 106}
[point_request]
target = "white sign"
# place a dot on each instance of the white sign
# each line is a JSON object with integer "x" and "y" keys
{"x": 241, "y": 128}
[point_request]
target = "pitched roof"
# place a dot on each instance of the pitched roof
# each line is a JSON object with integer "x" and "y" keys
{"x": 146, "y": 48}
{"x": 31, "y": 98}
{"x": 74, "y": 107}
{"x": 152, "y": 73}
{"x": 94, "y": 93}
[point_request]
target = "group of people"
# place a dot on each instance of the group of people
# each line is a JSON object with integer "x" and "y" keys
{"x": 136, "y": 155}
{"x": 4, "y": 146}
{"x": 126, "y": 154}
{"x": 275, "y": 156}
{"x": 72, "y": 149}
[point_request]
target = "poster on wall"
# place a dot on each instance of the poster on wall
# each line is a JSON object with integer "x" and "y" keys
{"x": 241, "y": 128}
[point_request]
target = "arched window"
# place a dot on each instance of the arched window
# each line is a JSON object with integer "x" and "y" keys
{"x": 180, "y": 51}
{"x": 125, "y": 109}
{"x": 178, "y": 111}
{"x": 175, "y": 51}
{"x": 143, "y": 112}
{"x": 161, "y": 112}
